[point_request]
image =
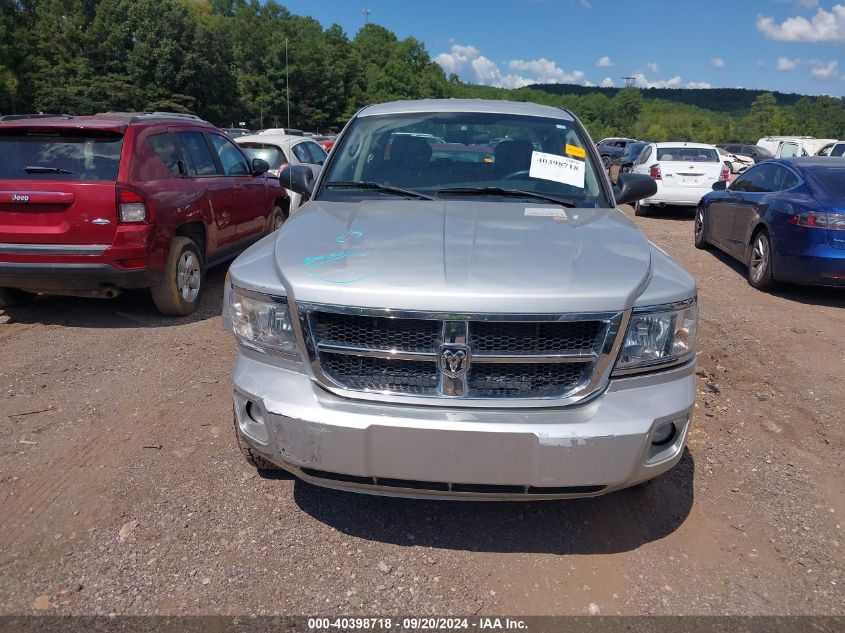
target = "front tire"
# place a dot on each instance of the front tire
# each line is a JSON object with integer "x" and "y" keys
{"x": 640, "y": 210}
{"x": 277, "y": 217}
{"x": 180, "y": 288}
{"x": 760, "y": 262}
{"x": 14, "y": 298}
{"x": 252, "y": 458}
{"x": 700, "y": 230}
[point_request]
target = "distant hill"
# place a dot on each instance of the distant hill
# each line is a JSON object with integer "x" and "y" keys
{"x": 731, "y": 100}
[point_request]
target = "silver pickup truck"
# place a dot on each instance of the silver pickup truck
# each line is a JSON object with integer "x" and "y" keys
{"x": 460, "y": 311}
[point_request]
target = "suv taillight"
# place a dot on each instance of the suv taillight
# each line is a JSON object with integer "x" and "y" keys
{"x": 654, "y": 172}
{"x": 131, "y": 206}
{"x": 726, "y": 173}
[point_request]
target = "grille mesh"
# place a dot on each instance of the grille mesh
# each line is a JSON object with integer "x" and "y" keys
{"x": 484, "y": 380}
{"x": 382, "y": 374}
{"x": 411, "y": 335}
{"x": 514, "y": 380}
{"x": 523, "y": 338}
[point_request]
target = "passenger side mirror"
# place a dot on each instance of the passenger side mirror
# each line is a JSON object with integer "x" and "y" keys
{"x": 260, "y": 166}
{"x": 720, "y": 185}
{"x": 632, "y": 187}
{"x": 298, "y": 178}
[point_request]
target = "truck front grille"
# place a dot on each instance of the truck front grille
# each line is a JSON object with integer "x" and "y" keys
{"x": 503, "y": 356}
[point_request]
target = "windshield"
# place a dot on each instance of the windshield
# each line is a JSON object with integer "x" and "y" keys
{"x": 273, "y": 154}
{"x": 431, "y": 153}
{"x": 687, "y": 154}
{"x": 52, "y": 154}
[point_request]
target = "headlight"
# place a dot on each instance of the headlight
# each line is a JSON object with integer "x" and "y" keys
{"x": 262, "y": 322}
{"x": 659, "y": 336}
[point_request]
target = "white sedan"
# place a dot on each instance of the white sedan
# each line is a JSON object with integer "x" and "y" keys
{"x": 280, "y": 150}
{"x": 736, "y": 163}
{"x": 684, "y": 173}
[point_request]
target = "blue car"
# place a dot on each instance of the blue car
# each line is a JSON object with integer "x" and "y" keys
{"x": 784, "y": 218}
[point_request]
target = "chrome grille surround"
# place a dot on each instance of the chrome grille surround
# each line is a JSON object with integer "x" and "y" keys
{"x": 498, "y": 381}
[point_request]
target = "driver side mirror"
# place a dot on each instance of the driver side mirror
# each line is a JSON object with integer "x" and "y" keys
{"x": 298, "y": 178}
{"x": 632, "y": 187}
{"x": 720, "y": 185}
{"x": 260, "y": 166}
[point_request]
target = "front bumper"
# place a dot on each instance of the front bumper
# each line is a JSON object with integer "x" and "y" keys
{"x": 585, "y": 450}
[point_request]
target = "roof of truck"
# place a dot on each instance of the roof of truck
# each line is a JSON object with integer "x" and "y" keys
{"x": 467, "y": 105}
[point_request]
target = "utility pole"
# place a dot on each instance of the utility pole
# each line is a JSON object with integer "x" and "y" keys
{"x": 287, "y": 78}
{"x": 367, "y": 13}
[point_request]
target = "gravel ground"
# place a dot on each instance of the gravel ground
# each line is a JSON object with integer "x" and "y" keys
{"x": 123, "y": 492}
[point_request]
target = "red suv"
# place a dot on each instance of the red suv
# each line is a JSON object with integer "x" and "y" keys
{"x": 93, "y": 205}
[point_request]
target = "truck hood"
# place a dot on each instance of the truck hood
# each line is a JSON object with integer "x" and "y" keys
{"x": 461, "y": 256}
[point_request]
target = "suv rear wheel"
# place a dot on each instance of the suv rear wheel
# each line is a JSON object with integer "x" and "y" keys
{"x": 180, "y": 288}
{"x": 12, "y": 297}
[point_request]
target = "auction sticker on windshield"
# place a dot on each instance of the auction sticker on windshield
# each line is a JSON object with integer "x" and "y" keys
{"x": 562, "y": 169}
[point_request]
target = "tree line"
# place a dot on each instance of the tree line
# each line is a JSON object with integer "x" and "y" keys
{"x": 234, "y": 60}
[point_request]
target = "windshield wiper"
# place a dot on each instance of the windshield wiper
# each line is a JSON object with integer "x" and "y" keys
{"x": 39, "y": 169}
{"x": 498, "y": 191}
{"x": 376, "y": 186}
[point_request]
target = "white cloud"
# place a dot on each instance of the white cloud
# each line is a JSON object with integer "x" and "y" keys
{"x": 825, "y": 70}
{"x": 653, "y": 67}
{"x": 643, "y": 82}
{"x": 586, "y": 4}
{"x": 717, "y": 62}
{"x": 784, "y": 63}
{"x": 699, "y": 84}
{"x": 467, "y": 62}
{"x": 607, "y": 82}
{"x": 457, "y": 59}
{"x": 604, "y": 62}
{"x": 824, "y": 26}
{"x": 545, "y": 71}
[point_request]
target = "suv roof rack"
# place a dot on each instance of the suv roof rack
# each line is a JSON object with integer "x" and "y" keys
{"x": 19, "y": 117}
{"x": 142, "y": 116}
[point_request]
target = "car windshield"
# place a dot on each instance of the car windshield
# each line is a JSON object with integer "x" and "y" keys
{"x": 764, "y": 152}
{"x": 274, "y": 156}
{"x": 54, "y": 154}
{"x": 633, "y": 150}
{"x": 432, "y": 153}
{"x": 687, "y": 154}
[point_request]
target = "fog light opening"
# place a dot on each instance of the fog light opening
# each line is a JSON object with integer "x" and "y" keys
{"x": 663, "y": 435}
{"x": 252, "y": 421}
{"x": 254, "y": 412}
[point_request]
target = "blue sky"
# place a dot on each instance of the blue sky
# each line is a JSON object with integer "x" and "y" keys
{"x": 786, "y": 45}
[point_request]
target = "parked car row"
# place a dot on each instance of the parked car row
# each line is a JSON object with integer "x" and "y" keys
{"x": 783, "y": 215}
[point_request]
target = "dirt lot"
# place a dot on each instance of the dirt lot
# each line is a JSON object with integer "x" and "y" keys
{"x": 122, "y": 491}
